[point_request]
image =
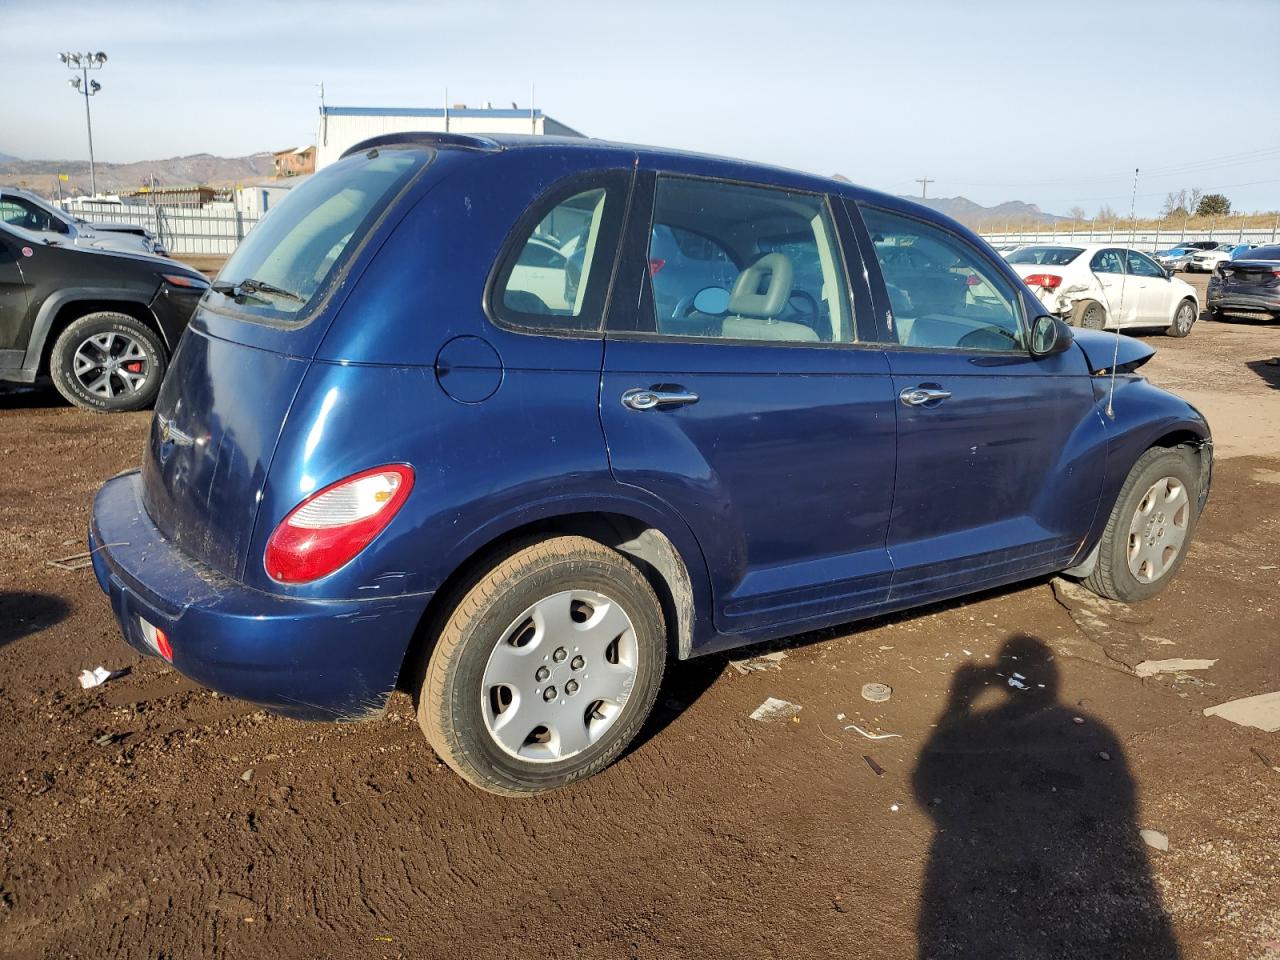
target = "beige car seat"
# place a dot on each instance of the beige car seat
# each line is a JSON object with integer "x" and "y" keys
{"x": 753, "y": 315}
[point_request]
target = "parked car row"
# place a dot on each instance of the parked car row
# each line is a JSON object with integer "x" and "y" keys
{"x": 759, "y": 402}
{"x": 20, "y": 208}
{"x": 1200, "y": 256}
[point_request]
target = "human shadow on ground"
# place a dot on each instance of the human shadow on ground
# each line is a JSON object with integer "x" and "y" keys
{"x": 1268, "y": 371}
{"x": 1036, "y": 852}
{"x": 24, "y": 613}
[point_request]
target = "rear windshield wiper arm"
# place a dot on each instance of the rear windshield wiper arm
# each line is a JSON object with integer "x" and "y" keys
{"x": 250, "y": 285}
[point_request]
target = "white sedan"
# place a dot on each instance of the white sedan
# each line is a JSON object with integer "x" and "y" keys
{"x": 1099, "y": 285}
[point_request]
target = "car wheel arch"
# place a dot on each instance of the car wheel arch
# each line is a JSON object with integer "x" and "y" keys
{"x": 64, "y": 308}
{"x": 680, "y": 581}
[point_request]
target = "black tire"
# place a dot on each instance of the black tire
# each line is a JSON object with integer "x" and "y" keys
{"x": 1089, "y": 315}
{"x": 1184, "y": 318}
{"x": 452, "y": 707}
{"x": 138, "y": 352}
{"x": 1112, "y": 576}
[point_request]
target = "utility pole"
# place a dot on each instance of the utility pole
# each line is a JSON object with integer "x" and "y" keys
{"x": 924, "y": 187}
{"x": 84, "y": 62}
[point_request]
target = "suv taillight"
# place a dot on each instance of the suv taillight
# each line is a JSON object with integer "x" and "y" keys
{"x": 1050, "y": 281}
{"x": 331, "y": 526}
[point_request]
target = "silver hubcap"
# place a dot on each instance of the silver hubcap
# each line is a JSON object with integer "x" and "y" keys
{"x": 1158, "y": 529}
{"x": 559, "y": 676}
{"x": 1183, "y": 320}
{"x": 111, "y": 365}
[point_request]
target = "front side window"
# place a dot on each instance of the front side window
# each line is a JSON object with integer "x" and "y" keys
{"x": 1107, "y": 261}
{"x": 747, "y": 263}
{"x": 1141, "y": 266}
{"x": 287, "y": 262}
{"x": 944, "y": 295}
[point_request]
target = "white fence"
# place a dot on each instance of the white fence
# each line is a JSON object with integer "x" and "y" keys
{"x": 1148, "y": 240}
{"x": 214, "y": 229}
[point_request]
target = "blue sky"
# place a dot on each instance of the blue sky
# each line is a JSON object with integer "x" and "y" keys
{"x": 1051, "y": 103}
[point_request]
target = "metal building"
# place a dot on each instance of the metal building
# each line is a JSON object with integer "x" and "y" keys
{"x": 340, "y": 127}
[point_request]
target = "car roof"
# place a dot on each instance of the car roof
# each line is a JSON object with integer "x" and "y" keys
{"x": 731, "y": 167}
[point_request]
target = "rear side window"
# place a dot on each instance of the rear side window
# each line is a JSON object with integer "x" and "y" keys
{"x": 943, "y": 294}
{"x": 289, "y": 261}
{"x": 554, "y": 274}
{"x": 1106, "y": 261}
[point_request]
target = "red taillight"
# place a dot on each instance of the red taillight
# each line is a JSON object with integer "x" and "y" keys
{"x": 163, "y": 645}
{"x": 1050, "y": 281}
{"x": 973, "y": 280}
{"x": 656, "y": 264}
{"x": 332, "y": 525}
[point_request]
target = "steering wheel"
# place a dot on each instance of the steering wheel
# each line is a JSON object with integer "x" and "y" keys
{"x": 906, "y": 257}
{"x": 808, "y": 299}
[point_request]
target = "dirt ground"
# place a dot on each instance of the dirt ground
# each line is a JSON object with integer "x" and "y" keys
{"x": 149, "y": 818}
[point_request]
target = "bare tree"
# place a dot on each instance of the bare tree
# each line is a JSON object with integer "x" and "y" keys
{"x": 1175, "y": 204}
{"x": 1077, "y": 213}
{"x": 1194, "y": 196}
{"x": 1105, "y": 212}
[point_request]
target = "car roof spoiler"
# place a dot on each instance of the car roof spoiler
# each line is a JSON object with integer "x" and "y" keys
{"x": 464, "y": 141}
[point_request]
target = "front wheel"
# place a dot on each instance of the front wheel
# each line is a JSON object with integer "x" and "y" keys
{"x": 546, "y": 669}
{"x": 1149, "y": 531}
{"x": 1183, "y": 318}
{"x": 108, "y": 362}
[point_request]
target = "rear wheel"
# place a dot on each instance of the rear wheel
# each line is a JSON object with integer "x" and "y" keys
{"x": 1150, "y": 528}
{"x": 1088, "y": 314}
{"x": 108, "y": 362}
{"x": 546, "y": 669}
{"x": 1183, "y": 318}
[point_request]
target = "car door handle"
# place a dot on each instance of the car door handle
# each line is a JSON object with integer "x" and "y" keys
{"x": 923, "y": 396}
{"x": 639, "y": 399}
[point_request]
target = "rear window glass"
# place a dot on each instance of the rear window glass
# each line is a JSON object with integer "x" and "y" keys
{"x": 287, "y": 261}
{"x": 1260, "y": 253}
{"x": 1048, "y": 256}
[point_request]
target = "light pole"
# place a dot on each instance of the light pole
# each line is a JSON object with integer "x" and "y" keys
{"x": 84, "y": 62}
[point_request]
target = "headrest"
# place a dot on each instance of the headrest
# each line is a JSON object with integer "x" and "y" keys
{"x": 747, "y": 301}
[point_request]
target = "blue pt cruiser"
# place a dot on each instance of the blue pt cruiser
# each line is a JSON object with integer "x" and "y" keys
{"x": 445, "y": 422}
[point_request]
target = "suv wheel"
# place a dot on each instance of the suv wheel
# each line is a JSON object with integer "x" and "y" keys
{"x": 1149, "y": 530}
{"x": 546, "y": 669}
{"x": 108, "y": 362}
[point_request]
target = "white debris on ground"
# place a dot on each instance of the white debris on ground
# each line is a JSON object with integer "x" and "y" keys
{"x": 766, "y": 661}
{"x": 1262, "y": 711}
{"x": 774, "y": 709}
{"x": 873, "y": 736}
{"x": 1155, "y": 839}
{"x": 1018, "y": 682}
{"x": 97, "y": 676}
{"x": 876, "y": 692}
{"x": 1149, "y": 668}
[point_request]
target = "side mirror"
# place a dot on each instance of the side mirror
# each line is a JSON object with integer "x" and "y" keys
{"x": 1049, "y": 335}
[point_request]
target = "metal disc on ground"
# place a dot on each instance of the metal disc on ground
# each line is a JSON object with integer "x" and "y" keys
{"x": 876, "y": 692}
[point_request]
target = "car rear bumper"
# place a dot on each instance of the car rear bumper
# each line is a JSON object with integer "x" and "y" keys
{"x": 310, "y": 659}
{"x": 1232, "y": 300}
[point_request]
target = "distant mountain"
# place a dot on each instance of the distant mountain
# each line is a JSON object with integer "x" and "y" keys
{"x": 8, "y": 158}
{"x": 974, "y": 215}
{"x": 201, "y": 168}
